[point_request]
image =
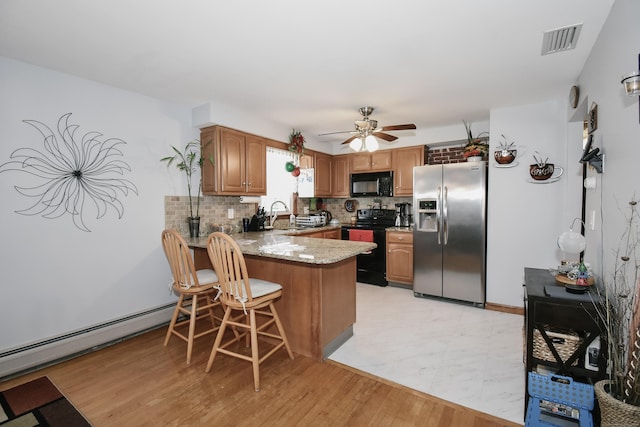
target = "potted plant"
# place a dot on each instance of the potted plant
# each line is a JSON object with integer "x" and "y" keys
{"x": 619, "y": 395}
{"x": 477, "y": 147}
{"x": 189, "y": 161}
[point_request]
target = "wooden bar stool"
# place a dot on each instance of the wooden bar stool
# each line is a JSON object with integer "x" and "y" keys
{"x": 198, "y": 292}
{"x": 251, "y": 297}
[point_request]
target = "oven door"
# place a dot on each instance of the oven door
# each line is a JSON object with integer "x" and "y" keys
{"x": 371, "y": 265}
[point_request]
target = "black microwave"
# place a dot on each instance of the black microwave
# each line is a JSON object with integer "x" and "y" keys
{"x": 372, "y": 184}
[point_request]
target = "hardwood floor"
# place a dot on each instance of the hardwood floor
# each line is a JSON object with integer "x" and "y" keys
{"x": 139, "y": 382}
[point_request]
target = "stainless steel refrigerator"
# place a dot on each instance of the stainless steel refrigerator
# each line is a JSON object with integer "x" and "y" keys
{"x": 449, "y": 231}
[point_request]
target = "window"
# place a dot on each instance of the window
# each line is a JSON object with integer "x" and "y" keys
{"x": 280, "y": 184}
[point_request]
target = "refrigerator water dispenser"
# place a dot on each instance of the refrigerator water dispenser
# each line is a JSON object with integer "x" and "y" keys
{"x": 427, "y": 215}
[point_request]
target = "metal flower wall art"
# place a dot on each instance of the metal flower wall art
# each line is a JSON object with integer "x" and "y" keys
{"x": 75, "y": 175}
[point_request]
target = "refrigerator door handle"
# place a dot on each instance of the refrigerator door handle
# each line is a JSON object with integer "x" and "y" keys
{"x": 445, "y": 216}
{"x": 439, "y": 216}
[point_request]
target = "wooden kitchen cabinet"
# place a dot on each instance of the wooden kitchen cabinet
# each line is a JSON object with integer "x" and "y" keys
{"x": 327, "y": 234}
{"x": 322, "y": 170}
{"x": 331, "y": 234}
{"x": 400, "y": 257}
{"x": 240, "y": 162}
{"x": 404, "y": 160}
{"x": 340, "y": 176}
{"x": 371, "y": 162}
{"x": 306, "y": 161}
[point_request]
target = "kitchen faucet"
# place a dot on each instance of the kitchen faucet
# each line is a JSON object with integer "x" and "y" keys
{"x": 274, "y": 216}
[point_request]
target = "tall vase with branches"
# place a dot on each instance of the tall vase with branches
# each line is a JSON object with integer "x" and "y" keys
{"x": 620, "y": 316}
{"x": 190, "y": 161}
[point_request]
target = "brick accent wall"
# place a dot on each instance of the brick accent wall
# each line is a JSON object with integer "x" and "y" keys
{"x": 439, "y": 156}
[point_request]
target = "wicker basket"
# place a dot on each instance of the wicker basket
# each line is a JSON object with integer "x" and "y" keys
{"x": 614, "y": 413}
{"x": 565, "y": 343}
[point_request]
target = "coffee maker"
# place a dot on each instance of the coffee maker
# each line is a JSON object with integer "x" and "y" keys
{"x": 403, "y": 215}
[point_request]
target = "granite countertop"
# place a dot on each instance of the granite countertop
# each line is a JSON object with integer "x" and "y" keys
{"x": 285, "y": 245}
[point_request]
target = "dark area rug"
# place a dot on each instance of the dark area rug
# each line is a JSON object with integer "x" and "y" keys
{"x": 38, "y": 403}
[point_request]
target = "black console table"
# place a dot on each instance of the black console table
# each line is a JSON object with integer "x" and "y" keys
{"x": 549, "y": 305}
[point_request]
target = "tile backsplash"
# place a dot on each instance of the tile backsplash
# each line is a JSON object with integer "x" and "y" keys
{"x": 214, "y": 210}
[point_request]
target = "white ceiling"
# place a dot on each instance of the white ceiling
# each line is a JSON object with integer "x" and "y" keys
{"x": 310, "y": 65}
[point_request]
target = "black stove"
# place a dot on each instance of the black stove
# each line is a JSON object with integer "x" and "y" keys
{"x": 375, "y": 218}
{"x": 372, "y": 265}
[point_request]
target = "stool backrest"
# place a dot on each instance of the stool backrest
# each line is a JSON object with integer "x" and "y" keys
{"x": 229, "y": 265}
{"x": 180, "y": 260}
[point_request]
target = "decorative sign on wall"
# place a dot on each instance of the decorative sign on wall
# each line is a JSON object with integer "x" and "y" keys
{"x": 77, "y": 174}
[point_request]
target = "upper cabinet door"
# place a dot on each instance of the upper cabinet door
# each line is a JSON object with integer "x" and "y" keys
{"x": 381, "y": 161}
{"x": 256, "y": 165}
{"x": 306, "y": 161}
{"x": 340, "y": 176}
{"x": 208, "y": 139}
{"x": 371, "y": 162}
{"x": 231, "y": 163}
{"x": 404, "y": 160}
{"x": 322, "y": 171}
{"x": 360, "y": 162}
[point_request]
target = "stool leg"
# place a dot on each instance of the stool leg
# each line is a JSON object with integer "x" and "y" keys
{"x": 216, "y": 343}
{"x": 280, "y": 329}
{"x": 192, "y": 326}
{"x": 255, "y": 357}
{"x": 174, "y": 318}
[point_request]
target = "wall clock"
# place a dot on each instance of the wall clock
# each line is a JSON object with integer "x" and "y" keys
{"x": 574, "y": 94}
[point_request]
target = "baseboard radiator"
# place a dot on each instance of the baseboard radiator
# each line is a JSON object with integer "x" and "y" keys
{"x": 52, "y": 350}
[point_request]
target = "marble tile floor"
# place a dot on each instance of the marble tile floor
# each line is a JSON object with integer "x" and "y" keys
{"x": 460, "y": 353}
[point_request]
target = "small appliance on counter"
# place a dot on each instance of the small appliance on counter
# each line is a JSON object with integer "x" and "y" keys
{"x": 312, "y": 220}
{"x": 404, "y": 216}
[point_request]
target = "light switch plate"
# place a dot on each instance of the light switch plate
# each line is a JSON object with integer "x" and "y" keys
{"x": 230, "y": 213}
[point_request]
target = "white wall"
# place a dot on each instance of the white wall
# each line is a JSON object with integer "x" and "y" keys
{"x": 524, "y": 219}
{"x": 55, "y": 277}
{"x": 614, "y": 55}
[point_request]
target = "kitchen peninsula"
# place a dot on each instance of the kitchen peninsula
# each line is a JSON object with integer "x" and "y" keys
{"x": 318, "y": 277}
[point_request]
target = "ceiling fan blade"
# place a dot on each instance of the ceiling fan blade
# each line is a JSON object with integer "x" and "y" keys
{"x": 398, "y": 127}
{"x": 350, "y": 139}
{"x": 335, "y": 133}
{"x": 385, "y": 136}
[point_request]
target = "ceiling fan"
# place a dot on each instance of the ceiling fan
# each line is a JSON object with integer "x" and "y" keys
{"x": 364, "y": 136}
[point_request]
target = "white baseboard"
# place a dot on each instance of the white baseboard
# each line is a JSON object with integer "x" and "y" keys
{"x": 64, "y": 346}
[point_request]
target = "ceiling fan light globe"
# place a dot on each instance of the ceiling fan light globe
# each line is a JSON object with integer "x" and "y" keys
{"x": 371, "y": 143}
{"x": 356, "y": 144}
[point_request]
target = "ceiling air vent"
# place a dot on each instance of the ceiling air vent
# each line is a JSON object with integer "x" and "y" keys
{"x": 560, "y": 39}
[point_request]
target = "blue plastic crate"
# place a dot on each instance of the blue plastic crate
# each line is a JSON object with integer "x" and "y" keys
{"x": 558, "y": 401}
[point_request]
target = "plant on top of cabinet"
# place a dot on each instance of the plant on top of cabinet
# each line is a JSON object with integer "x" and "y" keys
{"x": 188, "y": 161}
{"x": 476, "y": 145}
